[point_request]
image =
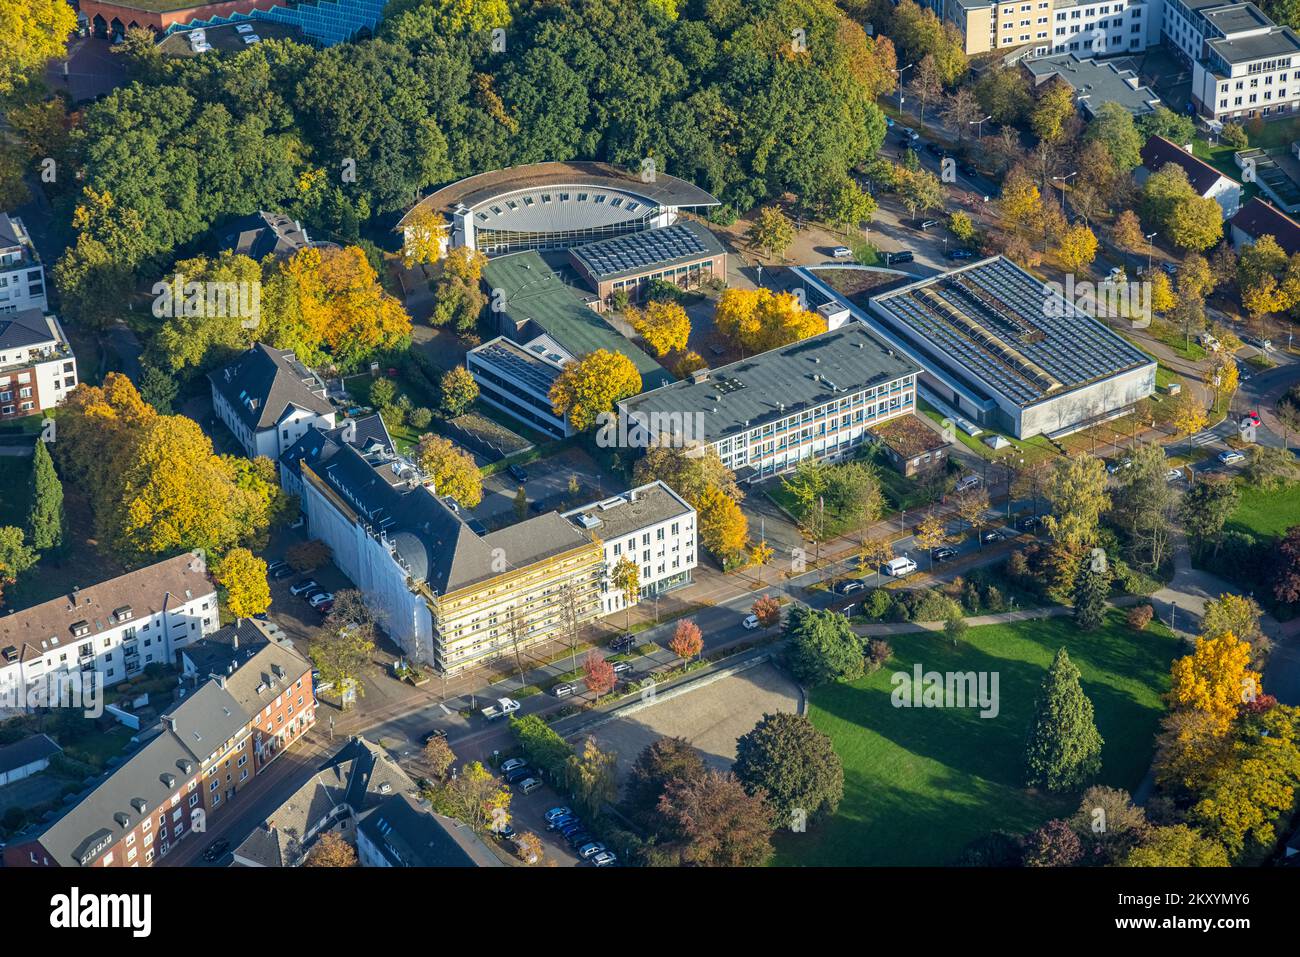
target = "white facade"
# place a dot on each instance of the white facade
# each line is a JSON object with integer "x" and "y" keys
{"x": 271, "y": 442}
{"x": 22, "y": 277}
{"x": 37, "y": 375}
{"x": 654, "y": 527}
{"x": 1246, "y": 89}
{"x": 1100, "y": 28}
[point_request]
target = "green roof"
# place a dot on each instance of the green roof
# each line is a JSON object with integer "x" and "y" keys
{"x": 532, "y": 291}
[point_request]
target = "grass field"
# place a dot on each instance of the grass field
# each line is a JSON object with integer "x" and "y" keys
{"x": 1266, "y": 513}
{"x": 921, "y": 784}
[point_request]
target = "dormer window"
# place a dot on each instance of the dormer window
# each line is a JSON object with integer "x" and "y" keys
{"x": 80, "y": 629}
{"x": 123, "y": 614}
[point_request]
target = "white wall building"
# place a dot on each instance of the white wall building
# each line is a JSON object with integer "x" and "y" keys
{"x": 651, "y": 525}
{"x": 37, "y": 366}
{"x": 269, "y": 399}
{"x": 22, "y": 277}
{"x": 1100, "y": 28}
{"x": 115, "y": 628}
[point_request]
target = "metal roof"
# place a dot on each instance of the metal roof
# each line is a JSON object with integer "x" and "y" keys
{"x": 648, "y": 250}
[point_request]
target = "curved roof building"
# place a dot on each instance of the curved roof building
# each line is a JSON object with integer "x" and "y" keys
{"x": 556, "y": 205}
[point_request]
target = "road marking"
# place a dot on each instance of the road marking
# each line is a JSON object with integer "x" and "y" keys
{"x": 445, "y": 709}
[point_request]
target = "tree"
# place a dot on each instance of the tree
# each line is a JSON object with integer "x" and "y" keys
{"x": 45, "y": 517}
{"x": 767, "y": 610}
{"x": 961, "y": 110}
{"x": 1189, "y": 415}
{"x": 1112, "y": 126}
{"x": 1174, "y": 127}
{"x": 1053, "y": 110}
{"x": 962, "y": 226}
{"x": 758, "y": 320}
{"x": 1286, "y": 569}
{"x": 529, "y": 848}
{"x": 689, "y": 471}
{"x": 787, "y": 758}
{"x": 687, "y": 641}
{"x": 1021, "y": 203}
{"x": 1055, "y": 844}
{"x": 309, "y": 555}
{"x": 35, "y": 32}
{"x": 722, "y": 525}
{"x": 919, "y": 190}
{"x": 450, "y": 470}
{"x": 1177, "y": 846}
{"x": 207, "y": 330}
{"x": 716, "y": 823}
{"x": 1077, "y": 248}
{"x": 342, "y": 652}
{"x": 1215, "y": 679}
{"x": 1064, "y": 748}
{"x": 1108, "y": 824}
{"x": 972, "y": 504}
{"x": 590, "y": 386}
{"x": 330, "y": 850}
{"x": 1231, "y": 614}
{"x": 1076, "y": 490}
{"x": 438, "y": 756}
{"x": 423, "y": 237}
{"x": 476, "y": 797}
{"x": 664, "y": 326}
{"x": 1003, "y": 94}
{"x": 458, "y": 390}
{"x": 382, "y": 393}
{"x": 242, "y": 577}
{"x": 846, "y": 204}
{"x": 1271, "y": 468}
{"x": 926, "y": 84}
{"x": 1127, "y": 231}
{"x": 15, "y": 556}
{"x": 1091, "y": 586}
{"x": 930, "y": 534}
{"x": 598, "y": 673}
{"x": 660, "y": 762}
{"x": 1143, "y": 505}
{"x": 822, "y": 647}
{"x": 465, "y": 264}
{"x": 771, "y": 231}
{"x": 626, "y": 577}
{"x": 591, "y": 777}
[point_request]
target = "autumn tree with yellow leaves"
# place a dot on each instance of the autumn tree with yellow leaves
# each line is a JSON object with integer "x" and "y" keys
{"x": 592, "y": 385}
{"x": 1215, "y": 679}
{"x": 723, "y": 526}
{"x": 1077, "y": 248}
{"x": 664, "y": 326}
{"x": 423, "y": 238}
{"x": 757, "y": 320}
{"x": 451, "y": 470}
{"x": 243, "y": 581}
{"x": 1189, "y": 415}
{"x": 35, "y": 32}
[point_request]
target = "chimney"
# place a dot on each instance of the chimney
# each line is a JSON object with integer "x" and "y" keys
{"x": 700, "y": 375}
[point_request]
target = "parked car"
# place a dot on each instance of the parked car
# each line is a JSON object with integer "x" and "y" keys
{"x": 555, "y": 813}
{"x": 518, "y": 776}
{"x": 588, "y": 851}
{"x": 281, "y": 573}
{"x": 537, "y": 507}
{"x": 934, "y": 149}
{"x": 991, "y": 535}
{"x": 435, "y": 734}
{"x": 1260, "y": 343}
{"x": 943, "y": 553}
{"x": 849, "y": 587}
{"x": 216, "y": 850}
{"x": 1231, "y": 457}
{"x": 512, "y": 764}
{"x": 622, "y": 667}
{"x": 573, "y": 826}
{"x": 518, "y": 473}
{"x": 966, "y": 168}
{"x": 623, "y": 642}
{"x": 605, "y": 859}
{"x": 1250, "y": 420}
{"x": 842, "y": 252}
{"x": 750, "y": 622}
{"x": 320, "y": 599}
{"x": 907, "y": 135}
{"x": 560, "y": 822}
{"x": 304, "y": 586}
{"x": 579, "y": 838}
{"x": 1114, "y": 468}
{"x": 1029, "y": 523}
{"x": 928, "y": 224}
{"x": 960, "y": 254}
{"x": 563, "y": 690}
{"x": 506, "y": 832}
{"x": 905, "y": 256}
{"x": 969, "y": 481}
{"x": 1173, "y": 475}
{"x": 529, "y": 785}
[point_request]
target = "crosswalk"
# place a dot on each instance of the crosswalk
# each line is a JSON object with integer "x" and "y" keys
{"x": 1204, "y": 438}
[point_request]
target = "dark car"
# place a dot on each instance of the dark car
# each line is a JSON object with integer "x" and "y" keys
{"x": 928, "y": 224}
{"x": 561, "y": 822}
{"x": 960, "y": 254}
{"x": 216, "y": 851}
{"x": 992, "y": 535}
{"x": 850, "y": 586}
{"x": 943, "y": 553}
{"x": 518, "y": 774}
{"x": 537, "y": 507}
{"x": 579, "y": 838}
{"x": 622, "y": 643}
{"x": 904, "y": 256}
{"x": 434, "y": 735}
{"x": 1029, "y": 523}
{"x": 967, "y": 168}
{"x": 281, "y": 573}
{"x": 518, "y": 473}
{"x": 934, "y": 149}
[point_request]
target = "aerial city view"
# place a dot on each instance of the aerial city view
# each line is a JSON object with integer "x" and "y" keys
{"x": 644, "y": 434}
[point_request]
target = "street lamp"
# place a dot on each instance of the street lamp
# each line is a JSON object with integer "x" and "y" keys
{"x": 900, "y": 72}
{"x": 979, "y": 125}
{"x": 1149, "y": 237}
{"x": 1064, "y": 179}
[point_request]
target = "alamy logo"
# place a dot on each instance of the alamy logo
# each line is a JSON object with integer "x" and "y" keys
{"x": 651, "y": 430}
{"x": 76, "y": 690}
{"x": 77, "y": 910}
{"x": 219, "y": 300}
{"x": 952, "y": 689}
{"x": 1109, "y": 299}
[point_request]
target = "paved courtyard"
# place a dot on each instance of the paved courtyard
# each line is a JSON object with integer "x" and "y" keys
{"x": 710, "y": 718}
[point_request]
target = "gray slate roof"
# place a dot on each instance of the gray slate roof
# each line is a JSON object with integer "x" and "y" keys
{"x": 30, "y": 327}
{"x": 774, "y": 384}
{"x": 273, "y": 380}
{"x": 410, "y": 836}
{"x": 27, "y": 751}
{"x": 1159, "y": 152}
{"x": 264, "y": 234}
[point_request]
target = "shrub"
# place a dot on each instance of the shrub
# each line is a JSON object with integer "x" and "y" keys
{"x": 382, "y": 393}
{"x": 879, "y": 650}
{"x": 1140, "y": 616}
{"x": 420, "y": 418}
{"x": 878, "y": 603}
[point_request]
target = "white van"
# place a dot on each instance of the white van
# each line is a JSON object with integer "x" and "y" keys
{"x": 970, "y": 481}
{"x": 898, "y": 567}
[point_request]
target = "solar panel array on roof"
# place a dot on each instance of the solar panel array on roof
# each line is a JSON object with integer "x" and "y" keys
{"x": 1007, "y": 328}
{"x": 521, "y": 369}
{"x": 640, "y": 250}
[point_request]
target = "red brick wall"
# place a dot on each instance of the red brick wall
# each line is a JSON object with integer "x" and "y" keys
{"x": 161, "y": 21}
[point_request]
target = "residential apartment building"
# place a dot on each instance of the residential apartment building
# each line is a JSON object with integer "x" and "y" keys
{"x": 269, "y": 399}
{"x": 22, "y": 277}
{"x": 37, "y": 366}
{"x": 652, "y": 526}
{"x": 404, "y": 833}
{"x": 988, "y": 25}
{"x": 116, "y": 628}
{"x": 1093, "y": 28}
{"x": 206, "y": 749}
{"x": 449, "y": 598}
{"x": 765, "y": 414}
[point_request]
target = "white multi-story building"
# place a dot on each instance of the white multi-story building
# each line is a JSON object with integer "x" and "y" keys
{"x": 115, "y": 628}
{"x": 37, "y": 366}
{"x": 22, "y": 277}
{"x": 1098, "y": 28}
{"x": 269, "y": 400}
{"x": 765, "y": 414}
{"x": 652, "y": 526}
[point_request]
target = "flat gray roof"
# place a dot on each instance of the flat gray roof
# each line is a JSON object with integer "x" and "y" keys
{"x": 1007, "y": 328}
{"x": 1281, "y": 41}
{"x": 1095, "y": 83}
{"x": 771, "y": 385}
{"x": 1237, "y": 17}
{"x": 637, "y": 508}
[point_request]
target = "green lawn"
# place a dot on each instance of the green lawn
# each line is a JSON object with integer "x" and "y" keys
{"x": 1266, "y": 513}
{"x": 920, "y": 784}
